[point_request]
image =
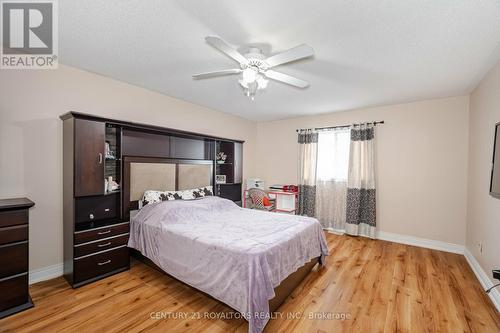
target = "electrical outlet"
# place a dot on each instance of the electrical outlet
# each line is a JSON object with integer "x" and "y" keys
{"x": 480, "y": 247}
{"x": 496, "y": 274}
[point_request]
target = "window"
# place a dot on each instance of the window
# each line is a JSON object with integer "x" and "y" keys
{"x": 333, "y": 155}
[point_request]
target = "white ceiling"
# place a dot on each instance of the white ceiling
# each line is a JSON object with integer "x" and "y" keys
{"x": 367, "y": 52}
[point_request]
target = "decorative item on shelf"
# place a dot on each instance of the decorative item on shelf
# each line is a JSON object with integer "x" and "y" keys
{"x": 111, "y": 185}
{"x": 221, "y": 158}
{"x": 220, "y": 179}
{"x": 108, "y": 153}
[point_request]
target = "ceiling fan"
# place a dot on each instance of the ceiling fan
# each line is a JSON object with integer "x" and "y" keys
{"x": 255, "y": 67}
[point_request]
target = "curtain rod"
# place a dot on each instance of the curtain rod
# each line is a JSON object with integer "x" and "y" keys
{"x": 340, "y": 126}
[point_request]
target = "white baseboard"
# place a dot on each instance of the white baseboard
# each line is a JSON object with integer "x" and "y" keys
{"x": 421, "y": 242}
{"x": 483, "y": 278}
{"x": 45, "y": 273}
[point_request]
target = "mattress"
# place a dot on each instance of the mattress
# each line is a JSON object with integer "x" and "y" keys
{"x": 236, "y": 255}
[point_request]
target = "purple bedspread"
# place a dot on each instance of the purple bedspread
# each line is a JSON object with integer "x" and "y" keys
{"x": 236, "y": 255}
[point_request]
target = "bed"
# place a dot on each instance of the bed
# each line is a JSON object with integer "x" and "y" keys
{"x": 250, "y": 260}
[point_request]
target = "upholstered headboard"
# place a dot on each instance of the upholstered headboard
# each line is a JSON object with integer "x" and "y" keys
{"x": 146, "y": 173}
{"x": 150, "y": 176}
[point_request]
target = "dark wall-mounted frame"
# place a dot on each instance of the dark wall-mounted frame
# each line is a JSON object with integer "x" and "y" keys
{"x": 495, "y": 165}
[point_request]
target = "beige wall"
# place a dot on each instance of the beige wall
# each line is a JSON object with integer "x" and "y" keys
{"x": 421, "y": 150}
{"x": 483, "y": 211}
{"x": 421, "y": 163}
{"x": 31, "y": 137}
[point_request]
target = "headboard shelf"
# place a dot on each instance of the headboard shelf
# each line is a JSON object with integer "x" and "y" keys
{"x": 143, "y": 127}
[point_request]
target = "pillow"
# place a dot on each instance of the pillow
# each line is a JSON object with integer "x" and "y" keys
{"x": 198, "y": 192}
{"x": 152, "y": 196}
{"x": 266, "y": 202}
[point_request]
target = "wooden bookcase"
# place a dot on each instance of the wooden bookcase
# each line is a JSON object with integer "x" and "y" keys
{"x": 95, "y": 236}
{"x": 231, "y": 168}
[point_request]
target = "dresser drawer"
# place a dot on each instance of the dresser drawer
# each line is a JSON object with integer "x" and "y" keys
{"x": 13, "y": 292}
{"x": 100, "y": 233}
{"x": 13, "y": 234}
{"x": 97, "y": 208}
{"x": 13, "y": 259}
{"x": 97, "y": 264}
{"x": 13, "y": 217}
{"x": 101, "y": 245}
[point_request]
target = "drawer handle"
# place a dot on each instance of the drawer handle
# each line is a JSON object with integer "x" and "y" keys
{"x": 103, "y": 245}
{"x": 104, "y": 232}
{"x": 104, "y": 263}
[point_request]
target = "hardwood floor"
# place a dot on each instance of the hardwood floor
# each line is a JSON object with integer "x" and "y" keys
{"x": 366, "y": 286}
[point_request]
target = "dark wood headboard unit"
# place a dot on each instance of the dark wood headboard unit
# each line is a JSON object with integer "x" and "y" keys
{"x": 96, "y": 149}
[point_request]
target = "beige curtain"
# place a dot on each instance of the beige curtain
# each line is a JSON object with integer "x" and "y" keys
{"x": 308, "y": 151}
{"x": 361, "y": 194}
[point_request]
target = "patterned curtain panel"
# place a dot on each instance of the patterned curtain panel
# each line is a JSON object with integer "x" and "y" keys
{"x": 360, "y": 214}
{"x": 308, "y": 152}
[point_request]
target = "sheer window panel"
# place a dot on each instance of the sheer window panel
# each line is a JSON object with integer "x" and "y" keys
{"x": 333, "y": 155}
{"x": 331, "y": 183}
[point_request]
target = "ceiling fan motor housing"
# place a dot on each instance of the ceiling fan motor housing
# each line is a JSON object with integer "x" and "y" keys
{"x": 255, "y": 59}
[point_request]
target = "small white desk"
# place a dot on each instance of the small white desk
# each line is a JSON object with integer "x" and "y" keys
{"x": 285, "y": 202}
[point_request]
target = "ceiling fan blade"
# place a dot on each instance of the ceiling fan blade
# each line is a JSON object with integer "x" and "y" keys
{"x": 296, "y": 53}
{"x": 216, "y": 73}
{"x": 226, "y": 49}
{"x": 285, "y": 78}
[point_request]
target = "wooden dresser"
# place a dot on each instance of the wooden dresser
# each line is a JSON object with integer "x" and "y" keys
{"x": 14, "y": 255}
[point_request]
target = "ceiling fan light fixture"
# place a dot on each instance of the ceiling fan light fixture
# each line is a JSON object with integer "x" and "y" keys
{"x": 252, "y": 90}
{"x": 262, "y": 82}
{"x": 249, "y": 75}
